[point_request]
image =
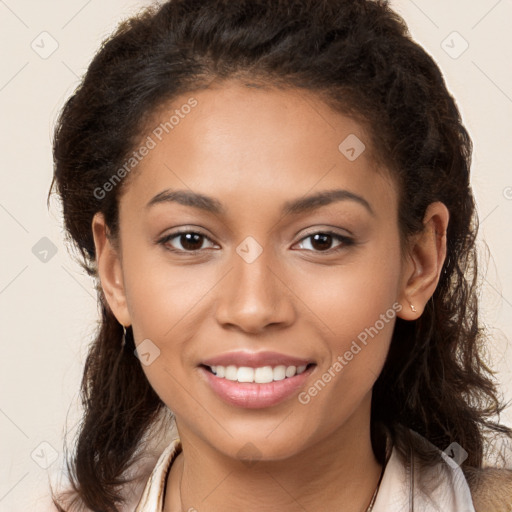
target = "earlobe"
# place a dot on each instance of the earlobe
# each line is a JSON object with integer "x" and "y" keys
{"x": 110, "y": 270}
{"x": 427, "y": 253}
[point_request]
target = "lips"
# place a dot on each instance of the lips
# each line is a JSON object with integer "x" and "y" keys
{"x": 255, "y": 380}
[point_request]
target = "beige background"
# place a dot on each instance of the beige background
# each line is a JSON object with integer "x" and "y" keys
{"x": 48, "y": 309}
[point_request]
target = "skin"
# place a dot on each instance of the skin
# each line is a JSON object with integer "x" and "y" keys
{"x": 253, "y": 149}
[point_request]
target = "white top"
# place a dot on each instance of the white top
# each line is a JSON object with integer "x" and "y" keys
{"x": 398, "y": 491}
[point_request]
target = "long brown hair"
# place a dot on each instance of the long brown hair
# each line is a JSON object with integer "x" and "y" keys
{"x": 359, "y": 57}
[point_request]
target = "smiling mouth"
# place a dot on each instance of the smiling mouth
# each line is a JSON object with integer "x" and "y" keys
{"x": 257, "y": 375}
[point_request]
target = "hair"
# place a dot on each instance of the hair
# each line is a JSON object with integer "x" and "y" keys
{"x": 358, "y": 56}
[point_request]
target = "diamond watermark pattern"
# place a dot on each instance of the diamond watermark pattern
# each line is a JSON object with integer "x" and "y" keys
{"x": 44, "y": 45}
{"x": 249, "y": 250}
{"x": 454, "y": 45}
{"x": 44, "y": 455}
{"x": 147, "y": 352}
{"x": 44, "y": 250}
{"x": 352, "y": 147}
{"x": 457, "y": 453}
{"x": 249, "y": 454}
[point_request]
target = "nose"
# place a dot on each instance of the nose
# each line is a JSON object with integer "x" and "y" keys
{"x": 254, "y": 296}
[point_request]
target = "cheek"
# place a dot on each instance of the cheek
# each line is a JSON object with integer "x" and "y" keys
{"x": 165, "y": 301}
{"x": 358, "y": 331}
{"x": 355, "y": 352}
{"x": 358, "y": 308}
{"x": 162, "y": 294}
{"x": 351, "y": 298}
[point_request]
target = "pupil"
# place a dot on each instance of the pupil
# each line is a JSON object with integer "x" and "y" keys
{"x": 325, "y": 239}
{"x": 189, "y": 241}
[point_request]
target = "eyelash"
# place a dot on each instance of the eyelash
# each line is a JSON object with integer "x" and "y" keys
{"x": 346, "y": 241}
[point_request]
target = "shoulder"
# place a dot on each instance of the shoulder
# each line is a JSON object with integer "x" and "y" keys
{"x": 444, "y": 482}
{"x": 154, "y": 491}
{"x": 491, "y": 488}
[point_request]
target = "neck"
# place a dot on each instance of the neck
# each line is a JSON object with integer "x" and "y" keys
{"x": 339, "y": 472}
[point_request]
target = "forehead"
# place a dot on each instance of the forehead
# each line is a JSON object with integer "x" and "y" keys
{"x": 240, "y": 141}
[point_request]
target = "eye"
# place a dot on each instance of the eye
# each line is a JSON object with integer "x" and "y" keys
{"x": 321, "y": 241}
{"x": 190, "y": 241}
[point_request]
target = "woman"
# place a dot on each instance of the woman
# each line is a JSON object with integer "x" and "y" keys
{"x": 274, "y": 197}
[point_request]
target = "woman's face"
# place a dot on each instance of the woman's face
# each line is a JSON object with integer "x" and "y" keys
{"x": 274, "y": 280}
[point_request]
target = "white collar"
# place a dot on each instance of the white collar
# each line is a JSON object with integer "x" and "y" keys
{"x": 400, "y": 487}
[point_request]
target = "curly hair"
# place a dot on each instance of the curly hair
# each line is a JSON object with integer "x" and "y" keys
{"x": 358, "y": 56}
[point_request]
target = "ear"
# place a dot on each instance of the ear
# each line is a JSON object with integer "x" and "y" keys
{"x": 110, "y": 270}
{"x": 426, "y": 255}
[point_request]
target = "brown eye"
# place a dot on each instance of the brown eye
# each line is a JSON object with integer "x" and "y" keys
{"x": 184, "y": 241}
{"x": 191, "y": 241}
{"x": 323, "y": 240}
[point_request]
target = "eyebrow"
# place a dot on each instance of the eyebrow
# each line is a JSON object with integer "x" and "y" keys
{"x": 294, "y": 207}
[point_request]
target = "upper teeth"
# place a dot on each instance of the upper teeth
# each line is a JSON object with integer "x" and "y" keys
{"x": 260, "y": 375}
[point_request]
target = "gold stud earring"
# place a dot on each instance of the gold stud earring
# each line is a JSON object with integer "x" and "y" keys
{"x": 413, "y": 308}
